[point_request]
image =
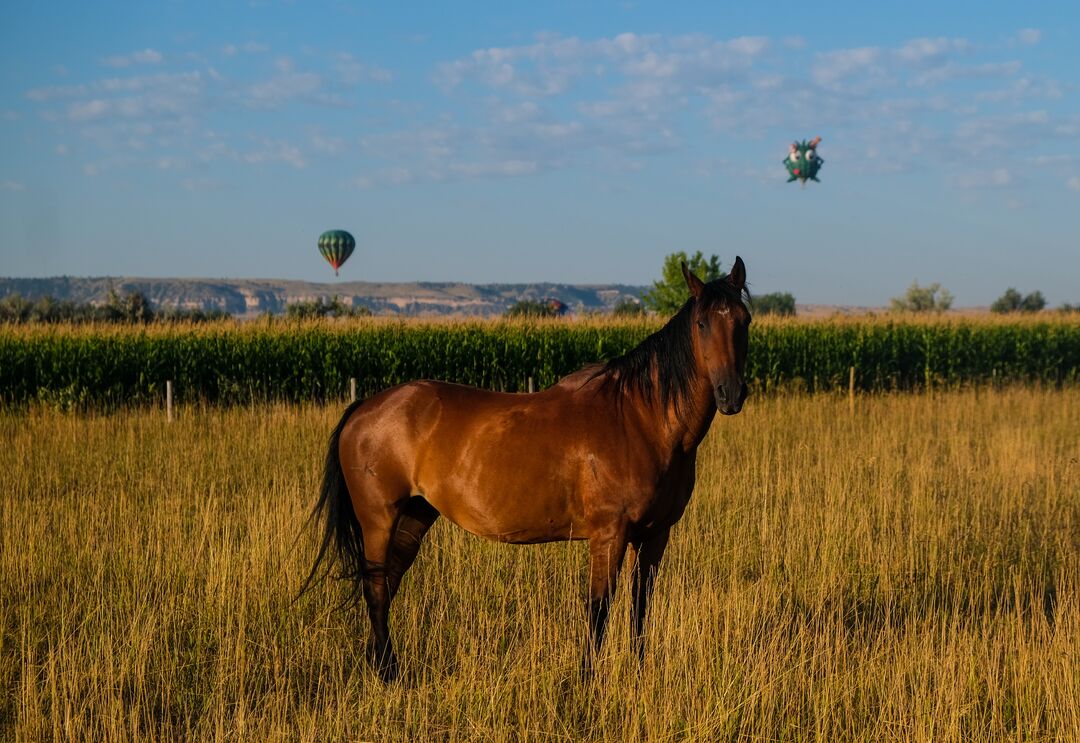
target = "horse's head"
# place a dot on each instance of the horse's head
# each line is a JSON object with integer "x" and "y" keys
{"x": 720, "y": 325}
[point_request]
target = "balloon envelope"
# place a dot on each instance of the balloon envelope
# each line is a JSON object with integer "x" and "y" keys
{"x": 803, "y": 162}
{"x": 336, "y": 246}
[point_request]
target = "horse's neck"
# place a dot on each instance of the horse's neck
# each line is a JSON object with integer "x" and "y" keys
{"x": 685, "y": 429}
{"x": 702, "y": 410}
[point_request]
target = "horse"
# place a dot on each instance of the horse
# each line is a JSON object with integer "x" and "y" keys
{"x": 607, "y": 454}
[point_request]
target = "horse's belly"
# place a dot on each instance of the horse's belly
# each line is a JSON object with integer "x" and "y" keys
{"x": 507, "y": 506}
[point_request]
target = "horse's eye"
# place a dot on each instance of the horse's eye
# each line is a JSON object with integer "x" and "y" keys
{"x": 701, "y": 324}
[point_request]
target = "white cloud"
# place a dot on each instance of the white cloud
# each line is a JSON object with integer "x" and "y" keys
{"x": 919, "y": 51}
{"x": 143, "y": 56}
{"x": 326, "y": 144}
{"x": 351, "y": 71}
{"x": 920, "y": 61}
{"x": 831, "y": 67}
{"x": 996, "y": 178}
{"x": 1022, "y": 89}
{"x": 552, "y": 64}
{"x": 84, "y": 111}
{"x": 58, "y": 91}
{"x": 279, "y": 89}
{"x": 448, "y": 171}
{"x": 1073, "y": 184}
{"x": 1029, "y": 36}
{"x": 607, "y": 104}
{"x": 171, "y": 162}
{"x": 248, "y": 47}
{"x": 12, "y": 186}
{"x": 948, "y": 71}
{"x": 394, "y": 176}
{"x": 502, "y": 168}
{"x": 1013, "y": 132}
{"x": 276, "y": 151}
{"x": 200, "y": 184}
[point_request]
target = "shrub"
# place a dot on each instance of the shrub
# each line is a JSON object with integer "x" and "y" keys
{"x": 321, "y": 308}
{"x": 777, "y": 303}
{"x": 931, "y": 298}
{"x": 1013, "y": 301}
{"x": 628, "y": 308}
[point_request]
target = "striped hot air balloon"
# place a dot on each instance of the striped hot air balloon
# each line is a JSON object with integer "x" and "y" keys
{"x": 336, "y": 246}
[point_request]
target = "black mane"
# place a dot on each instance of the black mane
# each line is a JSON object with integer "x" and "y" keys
{"x": 669, "y": 351}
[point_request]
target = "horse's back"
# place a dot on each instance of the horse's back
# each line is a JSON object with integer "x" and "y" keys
{"x": 506, "y": 466}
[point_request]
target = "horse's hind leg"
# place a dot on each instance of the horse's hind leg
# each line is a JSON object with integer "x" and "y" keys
{"x": 391, "y": 542}
{"x": 409, "y": 531}
{"x": 378, "y": 530}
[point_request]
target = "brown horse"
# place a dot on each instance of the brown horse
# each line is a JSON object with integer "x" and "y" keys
{"x": 607, "y": 455}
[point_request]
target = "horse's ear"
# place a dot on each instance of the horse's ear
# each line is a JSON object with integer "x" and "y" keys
{"x": 693, "y": 283}
{"x": 737, "y": 277}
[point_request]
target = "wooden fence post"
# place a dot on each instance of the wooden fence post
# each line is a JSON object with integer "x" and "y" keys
{"x": 851, "y": 390}
{"x": 532, "y": 387}
{"x": 168, "y": 400}
{"x": 352, "y": 389}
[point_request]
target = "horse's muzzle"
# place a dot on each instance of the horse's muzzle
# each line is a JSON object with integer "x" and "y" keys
{"x": 726, "y": 402}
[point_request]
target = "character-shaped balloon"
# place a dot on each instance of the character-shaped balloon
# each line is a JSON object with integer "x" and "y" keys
{"x": 802, "y": 162}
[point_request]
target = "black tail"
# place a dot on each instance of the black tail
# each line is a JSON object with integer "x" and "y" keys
{"x": 342, "y": 531}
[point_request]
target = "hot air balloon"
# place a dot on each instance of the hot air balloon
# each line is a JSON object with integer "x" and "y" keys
{"x": 336, "y": 246}
{"x": 802, "y": 162}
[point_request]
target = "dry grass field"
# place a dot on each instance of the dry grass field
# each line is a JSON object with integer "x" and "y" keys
{"x": 911, "y": 572}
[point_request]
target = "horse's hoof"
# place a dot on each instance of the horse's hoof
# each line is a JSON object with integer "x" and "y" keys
{"x": 388, "y": 671}
{"x": 385, "y": 664}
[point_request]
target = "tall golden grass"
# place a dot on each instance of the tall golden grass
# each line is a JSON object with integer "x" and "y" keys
{"x": 907, "y": 573}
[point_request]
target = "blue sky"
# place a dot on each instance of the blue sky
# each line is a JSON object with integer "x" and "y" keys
{"x": 574, "y": 142}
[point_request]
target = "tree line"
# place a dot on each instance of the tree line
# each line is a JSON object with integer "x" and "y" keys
{"x": 132, "y": 308}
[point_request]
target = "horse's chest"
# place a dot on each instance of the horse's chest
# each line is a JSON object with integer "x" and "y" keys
{"x": 664, "y": 503}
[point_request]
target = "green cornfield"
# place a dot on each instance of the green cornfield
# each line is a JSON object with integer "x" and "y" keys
{"x": 287, "y": 361}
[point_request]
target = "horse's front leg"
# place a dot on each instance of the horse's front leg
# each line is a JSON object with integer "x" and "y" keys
{"x": 606, "y": 551}
{"x": 649, "y": 553}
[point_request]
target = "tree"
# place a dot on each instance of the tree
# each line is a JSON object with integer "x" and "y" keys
{"x": 931, "y": 298}
{"x": 1010, "y": 301}
{"x": 777, "y": 303}
{"x": 533, "y": 308}
{"x": 1033, "y": 302}
{"x": 669, "y": 294}
{"x": 15, "y": 309}
{"x": 321, "y": 308}
{"x": 1013, "y": 301}
{"x": 628, "y": 308}
{"x": 126, "y": 308}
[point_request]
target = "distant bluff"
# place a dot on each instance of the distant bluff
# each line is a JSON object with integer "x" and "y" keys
{"x": 254, "y": 297}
